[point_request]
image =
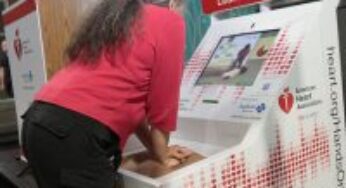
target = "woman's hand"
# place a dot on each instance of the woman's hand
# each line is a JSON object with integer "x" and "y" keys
{"x": 171, "y": 162}
{"x": 179, "y": 152}
{"x": 156, "y": 142}
{"x": 176, "y": 156}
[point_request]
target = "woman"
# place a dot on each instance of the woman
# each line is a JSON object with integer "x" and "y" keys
{"x": 122, "y": 77}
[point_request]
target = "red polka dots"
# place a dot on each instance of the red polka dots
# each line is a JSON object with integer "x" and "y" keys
{"x": 280, "y": 57}
{"x": 286, "y": 167}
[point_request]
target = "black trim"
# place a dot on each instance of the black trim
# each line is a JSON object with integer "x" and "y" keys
{"x": 287, "y": 3}
{"x": 341, "y": 13}
{"x": 342, "y": 4}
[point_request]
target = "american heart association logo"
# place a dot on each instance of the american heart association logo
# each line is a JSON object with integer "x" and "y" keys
{"x": 17, "y": 44}
{"x": 286, "y": 101}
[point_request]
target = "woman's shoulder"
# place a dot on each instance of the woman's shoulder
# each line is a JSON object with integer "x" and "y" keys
{"x": 161, "y": 14}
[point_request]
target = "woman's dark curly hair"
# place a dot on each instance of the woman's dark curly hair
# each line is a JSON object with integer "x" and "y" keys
{"x": 108, "y": 25}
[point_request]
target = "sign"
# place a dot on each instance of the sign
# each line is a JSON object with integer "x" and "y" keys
{"x": 210, "y": 6}
{"x": 23, "y": 33}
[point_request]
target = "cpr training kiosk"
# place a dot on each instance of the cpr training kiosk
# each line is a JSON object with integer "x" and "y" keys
{"x": 262, "y": 101}
{"x": 261, "y": 98}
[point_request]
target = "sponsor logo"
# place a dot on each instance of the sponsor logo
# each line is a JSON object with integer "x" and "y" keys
{"x": 266, "y": 87}
{"x": 261, "y": 108}
{"x": 258, "y": 108}
{"x": 28, "y": 77}
{"x": 286, "y": 101}
{"x": 303, "y": 97}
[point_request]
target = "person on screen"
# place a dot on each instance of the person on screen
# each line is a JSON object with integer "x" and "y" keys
{"x": 238, "y": 65}
{"x": 122, "y": 77}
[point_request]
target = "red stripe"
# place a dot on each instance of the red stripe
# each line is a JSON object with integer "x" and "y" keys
{"x": 210, "y": 6}
{"x": 18, "y": 12}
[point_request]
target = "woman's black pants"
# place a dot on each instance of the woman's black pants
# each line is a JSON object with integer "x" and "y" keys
{"x": 68, "y": 150}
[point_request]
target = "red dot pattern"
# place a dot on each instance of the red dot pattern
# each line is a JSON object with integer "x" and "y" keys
{"x": 286, "y": 167}
{"x": 222, "y": 92}
{"x": 280, "y": 57}
{"x": 238, "y": 93}
{"x": 198, "y": 97}
{"x": 196, "y": 65}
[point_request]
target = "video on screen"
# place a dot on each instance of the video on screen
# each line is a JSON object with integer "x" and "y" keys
{"x": 237, "y": 59}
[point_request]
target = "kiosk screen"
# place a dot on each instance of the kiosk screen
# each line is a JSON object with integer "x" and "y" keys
{"x": 237, "y": 59}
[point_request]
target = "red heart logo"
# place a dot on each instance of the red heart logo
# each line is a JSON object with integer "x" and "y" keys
{"x": 18, "y": 48}
{"x": 286, "y": 101}
{"x": 17, "y": 44}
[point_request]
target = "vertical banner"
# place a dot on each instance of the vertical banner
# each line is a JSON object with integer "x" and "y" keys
{"x": 210, "y": 6}
{"x": 23, "y": 34}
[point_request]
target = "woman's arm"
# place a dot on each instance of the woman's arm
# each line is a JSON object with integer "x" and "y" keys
{"x": 143, "y": 134}
{"x": 159, "y": 140}
{"x": 156, "y": 142}
{"x": 163, "y": 93}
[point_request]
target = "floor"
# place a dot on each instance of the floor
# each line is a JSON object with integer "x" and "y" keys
{"x": 6, "y": 153}
{"x": 10, "y": 166}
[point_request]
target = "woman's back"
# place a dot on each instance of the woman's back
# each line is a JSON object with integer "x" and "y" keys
{"x": 125, "y": 86}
